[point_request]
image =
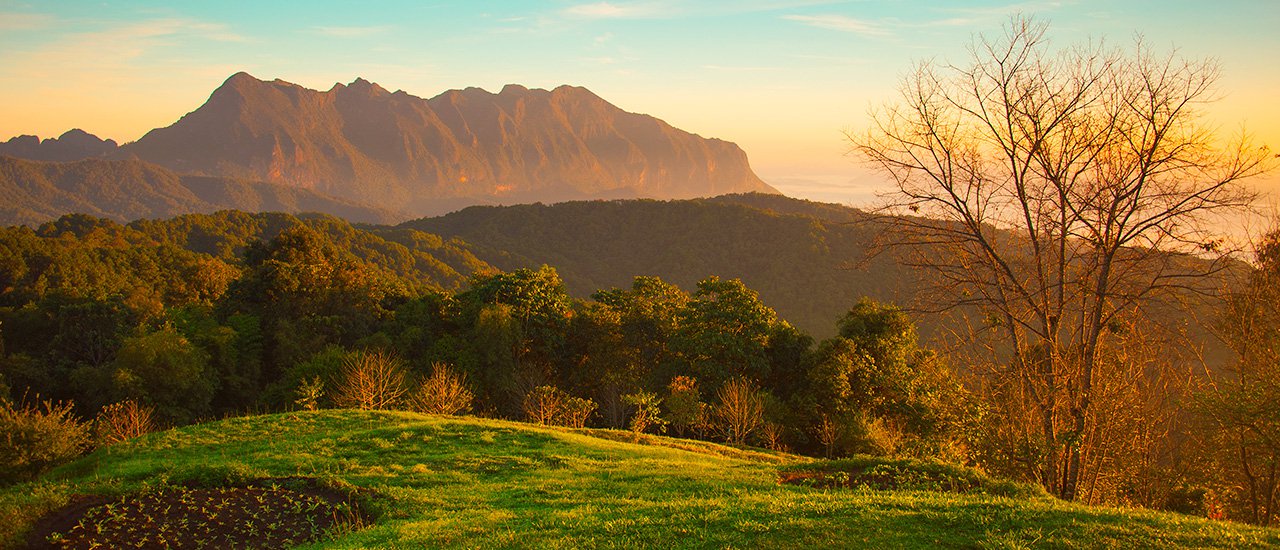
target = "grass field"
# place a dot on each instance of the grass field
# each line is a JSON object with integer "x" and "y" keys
{"x": 444, "y": 481}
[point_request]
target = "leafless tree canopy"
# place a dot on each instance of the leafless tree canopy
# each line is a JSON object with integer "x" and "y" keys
{"x": 1059, "y": 192}
{"x": 739, "y": 409}
{"x": 371, "y": 380}
{"x": 444, "y": 392}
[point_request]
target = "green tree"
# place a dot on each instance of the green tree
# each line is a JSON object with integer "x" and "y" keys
{"x": 166, "y": 371}
{"x": 519, "y": 322}
{"x": 724, "y": 332}
{"x": 874, "y": 379}
{"x": 640, "y": 324}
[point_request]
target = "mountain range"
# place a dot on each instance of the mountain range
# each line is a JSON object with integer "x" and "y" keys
{"x": 396, "y": 152}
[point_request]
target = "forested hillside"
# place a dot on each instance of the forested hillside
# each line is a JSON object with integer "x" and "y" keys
{"x": 807, "y": 260}
{"x": 124, "y": 190}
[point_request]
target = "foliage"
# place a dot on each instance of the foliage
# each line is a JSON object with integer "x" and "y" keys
{"x": 37, "y": 436}
{"x": 724, "y": 332}
{"x": 309, "y": 393}
{"x": 164, "y": 370}
{"x": 371, "y": 379}
{"x": 683, "y": 404}
{"x": 1242, "y": 404}
{"x": 646, "y": 413}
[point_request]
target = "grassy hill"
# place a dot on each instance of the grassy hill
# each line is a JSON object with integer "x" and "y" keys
{"x": 433, "y": 481}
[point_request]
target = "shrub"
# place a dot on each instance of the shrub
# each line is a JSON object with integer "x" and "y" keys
{"x": 543, "y": 404}
{"x": 309, "y": 393}
{"x": 575, "y": 411}
{"x": 548, "y": 405}
{"x": 883, "y": 474}
{"x": 647, "y": 412}
{"x": 828, "y": 432}
{"x": 444, "y": 392}
{"x": 370, "y": 380}
{"x": 771, "y": 436}
{"x": 683, "y": 403}
{"x": 120, "y": 422}
{"x": 34, "y": 438}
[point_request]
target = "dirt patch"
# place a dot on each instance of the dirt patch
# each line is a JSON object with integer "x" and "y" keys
{"x": 264, "y": 514}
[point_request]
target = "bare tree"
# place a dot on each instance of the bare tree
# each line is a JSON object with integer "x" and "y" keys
{"x": 544, "y": 405}
{"x": 371, "y": 380}
{"x": 1059, "y": 193}
{"x": 122, "y": 421}
{"x": 444, "y": 392}
{"x": 739, "y": 409}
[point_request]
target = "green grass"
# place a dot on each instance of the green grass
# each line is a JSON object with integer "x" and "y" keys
{"x": 467, "y": 482}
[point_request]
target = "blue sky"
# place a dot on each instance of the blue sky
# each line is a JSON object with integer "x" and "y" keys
{"x": 782, "y": 78}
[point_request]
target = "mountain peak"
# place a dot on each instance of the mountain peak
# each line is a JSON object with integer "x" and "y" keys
{"x": 240, "y": 79}
{"x": 365, "y": 87}
{"x": 74, "y": 144}
{"x": 513, "y": 89}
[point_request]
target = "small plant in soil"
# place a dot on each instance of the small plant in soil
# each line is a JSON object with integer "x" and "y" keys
{"x": 268, "y": 514}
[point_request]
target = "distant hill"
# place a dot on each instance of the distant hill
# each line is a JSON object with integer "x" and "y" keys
{"x": 75, "y": 144}
{"x": 34, "y": 192}
{"x": 193, "y": 257}
{"x": 361, "y": 142}
{"x": 804, "y": 258}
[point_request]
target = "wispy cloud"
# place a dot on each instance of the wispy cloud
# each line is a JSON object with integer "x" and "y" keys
{"x": 842, "y": 23}
{"x": 351, "y": 32}
{"x": 608, "y": 10}
{"x": 738, "y": 69}
{"x": 109, "y": 52}
{"x": 211, "y": 31}
{"x": 948, "y": 17}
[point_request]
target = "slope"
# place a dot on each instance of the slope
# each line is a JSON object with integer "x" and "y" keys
{"x": 450, "y": 482}
{"x": 805, "y": 259}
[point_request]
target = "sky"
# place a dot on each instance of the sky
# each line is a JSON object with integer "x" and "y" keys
{"x": 784, "y": 79}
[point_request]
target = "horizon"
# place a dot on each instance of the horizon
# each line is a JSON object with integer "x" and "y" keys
{"x": 782, "y": 79}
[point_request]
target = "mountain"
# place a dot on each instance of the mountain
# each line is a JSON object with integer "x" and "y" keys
{"x": 428, "y": 156}
{"x": 804, "y": 258}
{"x": 33, "y": 192}
{"x": 75, "y": 144}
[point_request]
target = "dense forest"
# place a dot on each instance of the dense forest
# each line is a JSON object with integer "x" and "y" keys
{"x": 204, "y": 316}
{"x": 810, "y": 261}
{"x": 207, "y": 315}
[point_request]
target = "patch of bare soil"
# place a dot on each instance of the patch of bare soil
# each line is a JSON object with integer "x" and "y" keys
{"x": 265, "y": 514}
